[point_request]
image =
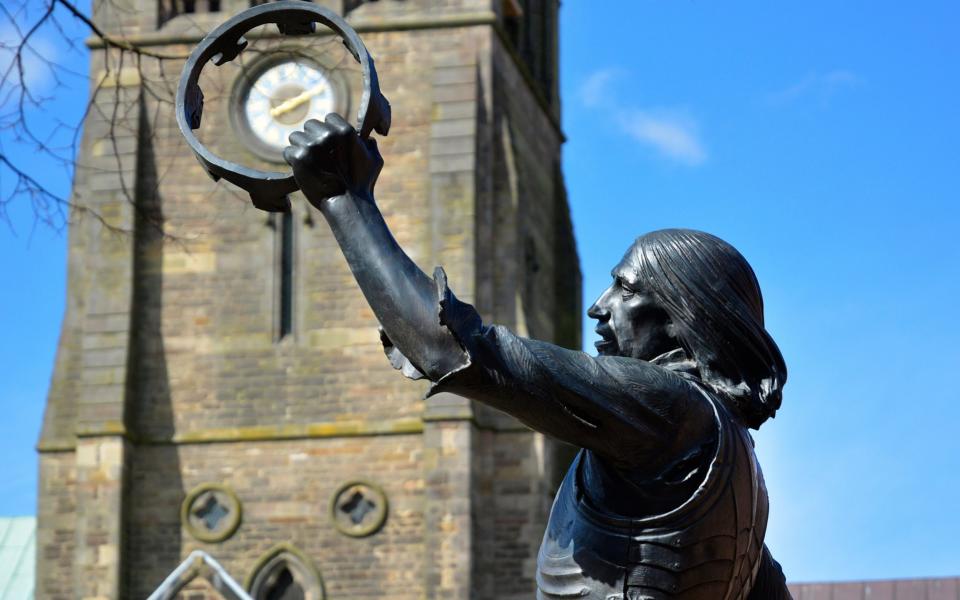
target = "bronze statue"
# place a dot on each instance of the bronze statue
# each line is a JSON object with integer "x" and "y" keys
{"x": 665, "y": 499}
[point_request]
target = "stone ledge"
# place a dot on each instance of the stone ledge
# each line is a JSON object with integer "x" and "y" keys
{"x": 102, "y": 429}
{"x": 263, "y": 433}
{"x": 295, "y": 431}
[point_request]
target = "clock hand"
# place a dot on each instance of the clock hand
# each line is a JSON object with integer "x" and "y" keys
{"x": 292, "y": 103}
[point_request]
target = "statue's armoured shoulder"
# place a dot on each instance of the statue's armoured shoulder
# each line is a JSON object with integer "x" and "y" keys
{"x": 707, "y": 548}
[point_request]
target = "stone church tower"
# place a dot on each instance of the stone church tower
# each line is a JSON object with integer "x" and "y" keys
{"x": 220, "y": 384}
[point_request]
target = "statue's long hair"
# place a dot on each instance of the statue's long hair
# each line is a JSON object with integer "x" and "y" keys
{"x": 712, "y": 296}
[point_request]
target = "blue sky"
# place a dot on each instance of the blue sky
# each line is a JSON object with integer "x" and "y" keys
{"x": 32, "y": 254}
{"x": 820, "y": 138}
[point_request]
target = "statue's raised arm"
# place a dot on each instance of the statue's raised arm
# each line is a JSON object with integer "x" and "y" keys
{"x": 666, "y": 499}
{"x": 600, "y": 405}
{"x": 337, "y": 170}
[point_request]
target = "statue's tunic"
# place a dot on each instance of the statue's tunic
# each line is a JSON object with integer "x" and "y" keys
{"x": 692, "y": 530}
{"x": 708, "y": 547}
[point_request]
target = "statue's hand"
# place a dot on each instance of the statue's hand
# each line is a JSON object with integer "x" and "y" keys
{"x": 330, "y": 159}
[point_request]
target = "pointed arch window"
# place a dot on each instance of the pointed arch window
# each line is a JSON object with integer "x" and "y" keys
{"x": 285, "y": 573}
{"x": 282, "y": 585}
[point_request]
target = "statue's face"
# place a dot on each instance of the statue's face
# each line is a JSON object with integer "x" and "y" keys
{"x": 630, "y": 322}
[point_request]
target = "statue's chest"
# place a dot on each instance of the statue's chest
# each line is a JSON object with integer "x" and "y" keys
{"x": 708, "y": 549}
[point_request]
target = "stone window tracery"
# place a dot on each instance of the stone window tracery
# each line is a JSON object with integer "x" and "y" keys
{"x": 285, "y": 573}
{"x": 358, "y": 508}
{"x": 211, "y": 512}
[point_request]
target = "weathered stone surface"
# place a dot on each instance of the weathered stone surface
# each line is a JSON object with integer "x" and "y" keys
{"x": 170, "y": 372}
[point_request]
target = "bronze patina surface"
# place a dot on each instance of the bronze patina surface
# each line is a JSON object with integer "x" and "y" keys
{"x": 666, "y": 498}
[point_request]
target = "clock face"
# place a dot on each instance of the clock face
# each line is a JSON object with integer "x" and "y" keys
{"x": 278, "y": 100}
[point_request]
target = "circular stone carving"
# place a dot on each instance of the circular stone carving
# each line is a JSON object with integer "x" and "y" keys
{"x": 358, "y": 509}
{"x": 210, "y": 512}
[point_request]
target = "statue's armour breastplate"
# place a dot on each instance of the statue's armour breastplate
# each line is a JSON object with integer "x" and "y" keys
{"x": 708, "y": 548}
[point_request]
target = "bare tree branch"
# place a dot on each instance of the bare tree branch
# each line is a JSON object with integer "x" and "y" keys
{"x": 27, "y": 124}
{"x": 48, "y": 207}
{"x": 115, "y": 42}
{"x": 131, "y": 91}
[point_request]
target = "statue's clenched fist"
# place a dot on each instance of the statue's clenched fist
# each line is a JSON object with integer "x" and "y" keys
{"x": 330, "y": 159}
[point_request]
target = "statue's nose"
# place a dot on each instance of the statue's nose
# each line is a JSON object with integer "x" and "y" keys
{"x": 600, "y": 309}
{"x": 598, "y": 312}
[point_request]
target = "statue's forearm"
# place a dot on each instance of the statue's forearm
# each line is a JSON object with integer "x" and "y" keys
{"x": 401, "y": 295}
{"x": 337, "y": 169}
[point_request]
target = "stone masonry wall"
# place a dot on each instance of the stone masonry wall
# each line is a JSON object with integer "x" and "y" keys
{"x": 219, "y": 372}
{"x": 285, "y": 488}
{"x": 224, "y": 368}
{"x": 57, "y": 535}
{"x": 179, "y": 378}
{"x": 516, "y": 470}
